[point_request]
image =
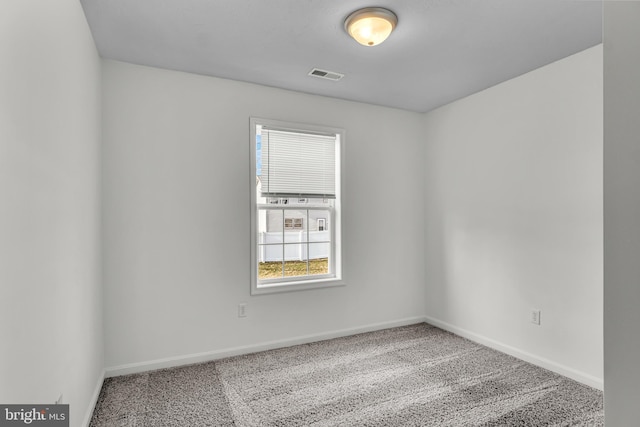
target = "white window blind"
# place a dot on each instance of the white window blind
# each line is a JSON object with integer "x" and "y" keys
{"x": 296, "y": 164}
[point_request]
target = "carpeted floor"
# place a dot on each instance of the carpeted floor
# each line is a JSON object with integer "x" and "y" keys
{"x": 415, "y": 375}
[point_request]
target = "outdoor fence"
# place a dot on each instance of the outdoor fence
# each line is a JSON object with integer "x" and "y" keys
{"x": 293, "y": 245}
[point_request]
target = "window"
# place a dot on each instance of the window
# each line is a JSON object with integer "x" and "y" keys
{"x": 296, "y": 206}
{"x": 293, "y": 223}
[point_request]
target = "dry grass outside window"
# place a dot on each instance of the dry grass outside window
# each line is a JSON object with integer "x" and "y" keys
{"x": 273, "y": 270}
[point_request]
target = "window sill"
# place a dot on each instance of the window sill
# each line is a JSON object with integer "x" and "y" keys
{"x": 272, "y": 288}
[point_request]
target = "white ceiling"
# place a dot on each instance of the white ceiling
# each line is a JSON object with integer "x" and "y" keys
{"x": 441, "y": 50}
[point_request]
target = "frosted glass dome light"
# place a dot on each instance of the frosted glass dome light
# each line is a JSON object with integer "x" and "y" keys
{"x": 370, "y": 26}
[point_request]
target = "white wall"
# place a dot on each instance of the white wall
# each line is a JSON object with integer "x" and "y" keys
{"x": 176, "y": 209}
{"x": 622, "y": 212}
{"x": 50, "y": 293}
{"x": 514, "y": 216}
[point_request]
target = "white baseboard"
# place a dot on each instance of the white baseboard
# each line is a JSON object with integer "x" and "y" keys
{"x": 170, "y": 362}
{"x": 94, "y": 400}
{"x": 576, "y": 375}
{"x": 134, "y": 368}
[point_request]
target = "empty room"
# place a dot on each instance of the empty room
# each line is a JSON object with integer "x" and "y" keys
{"x": 294, "y": 213}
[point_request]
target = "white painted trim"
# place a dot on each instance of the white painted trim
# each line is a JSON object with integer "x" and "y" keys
{"x": 576, "y": 375}
{"x": 134, "y": 368}
{"x": 94, "y": 399}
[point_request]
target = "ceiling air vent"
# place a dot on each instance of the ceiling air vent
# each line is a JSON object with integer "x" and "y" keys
{"x": 324, "y": 74}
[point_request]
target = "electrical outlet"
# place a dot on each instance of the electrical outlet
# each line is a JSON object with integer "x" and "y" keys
{"x": 242, "y": 310}
{"x": 535, "y": 316}
{"x": 59, "y": 401}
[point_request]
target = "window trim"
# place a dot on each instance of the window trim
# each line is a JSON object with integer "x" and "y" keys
{"x": 315, "y": 282}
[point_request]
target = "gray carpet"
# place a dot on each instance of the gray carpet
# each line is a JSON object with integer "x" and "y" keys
{"x": 416, "y": 375}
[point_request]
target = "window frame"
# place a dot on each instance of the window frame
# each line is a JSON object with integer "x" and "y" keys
{"x": 335, "y": 277}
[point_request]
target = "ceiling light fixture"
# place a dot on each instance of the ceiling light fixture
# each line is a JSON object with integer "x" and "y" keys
{"x": 370, "y": 26}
